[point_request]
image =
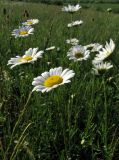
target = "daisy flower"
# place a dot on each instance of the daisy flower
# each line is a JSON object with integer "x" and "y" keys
{"x": 74, "y": 24}
{"x": 52, "y": 79}
{"x": 94, "y": 47}
{"x": 105, "y": 52}
{"x": 30, "y": 56}
{"x": 72, "y": 41}
{"x": 101, "y": 68}
{"x": 23, "y": 31}
{"x": 30, "y": 22}
{"x": 78, "y": 53}
{"x": 50, "y": 48}
{"x": 71, "y": 8}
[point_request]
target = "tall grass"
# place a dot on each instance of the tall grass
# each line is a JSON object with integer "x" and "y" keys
{"x": 75, "y": 121}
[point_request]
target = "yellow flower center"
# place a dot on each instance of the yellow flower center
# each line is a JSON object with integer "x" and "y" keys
{"x": 23, "y": 32}
{"x": 53, "y": 80}
{"x": 26, "y": 58}
{"x": 30, "y": 22}
{"x": 79, "y": 55}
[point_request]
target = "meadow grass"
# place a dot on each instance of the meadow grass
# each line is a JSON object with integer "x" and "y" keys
{"x": 75, "y": 121}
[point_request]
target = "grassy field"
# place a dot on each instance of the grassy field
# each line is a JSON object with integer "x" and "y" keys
{"x": 76, "y": 121}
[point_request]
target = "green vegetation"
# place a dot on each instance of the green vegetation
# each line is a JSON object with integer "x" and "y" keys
{"x": 78, "y": 120}
{"x": 68, "y": 1}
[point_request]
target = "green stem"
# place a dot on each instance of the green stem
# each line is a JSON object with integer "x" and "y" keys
{"x": 105, "y": 119}
{"x": 71, "y": 18}
{"x": 15, "y": 151}
{"x": 16, "y": 124}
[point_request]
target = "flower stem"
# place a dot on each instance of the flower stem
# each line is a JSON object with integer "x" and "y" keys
{"x": 16, "y": 124}
{"x": 105, "y": 120}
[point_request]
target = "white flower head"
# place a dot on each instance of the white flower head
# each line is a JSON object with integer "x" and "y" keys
{"x": 109, "y": 9}
{"x": 23, "y": 31}
{"x": 30, "y": 22}
{"x": 50, "y": 48}
{"x": 58, "y": 49}
{"x": 101, "y": 68}
{"x": 30, "y": 56}
{"x": 71, "y": 8}
{"x": 52, "y": 79}
{"x": 82, "y": 141}
{"x": 78, "y": 53}
{"x": 49, "y": 63}
{"x": 105, "y": 52}
{"x": 75, "y": 23}
{"x": 72, "y": 41}
{"x": 94, "y": 47}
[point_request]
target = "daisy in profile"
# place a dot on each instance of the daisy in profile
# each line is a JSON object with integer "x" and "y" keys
{"x": 101, "y": 68}
{"x": 52, "y": 79}
{"x": 94, "y": 47}
{"x": 50, "y": 48}
{"x": 30, "y": 22}
{"x": 75, "y": 24}
{"x": 23, "y": 31}
{"x": 78, "y": 53}
{"x": 72, "y": 41}
{"x": 105, "y": 52}
{"x": 30, "y": 56}
{"x": 71, "y": 8}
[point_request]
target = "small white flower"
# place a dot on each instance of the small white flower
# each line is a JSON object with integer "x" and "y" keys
{"x": 30, "y": 22}
{"x": 31, "y": 55}
{"x": 101, "y": 68}
{"x": 58, "y": 49}
{"x": 23, "y": 31}
{"x": 109, "y": 9}
{"x": 105, "y": 52}
{"x": 50, "y": 48}
{"x": 73, "y": 95}
{"x": 78, "y": 53}
{"x": 74, "y": 24}
{"x": 52, "y": 79}
{"x": 94, "y": 47}
{"x": 82, "y": 141}
{"x": 49, "y": 63}
{"x": 71, "y": 8}
{"x": 72, "y": 41}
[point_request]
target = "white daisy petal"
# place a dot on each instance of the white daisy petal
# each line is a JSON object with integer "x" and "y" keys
{"x": 69, "y": 76}
{"x": 45, "y": 75}
{"x": 67, "y": 81}
{"x": 105, "y": 52}
{"x": 50, "y": 48}
{"x": 75, "y": 23}
{"x": 51, "y": 71}
{"x": 59, "y": 71}
{"x": 64, "y": 72}
{"x": 38, "y": 87}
